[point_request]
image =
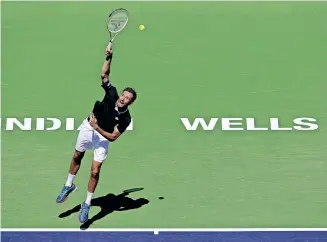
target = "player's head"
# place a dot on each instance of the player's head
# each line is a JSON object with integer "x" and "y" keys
{"x": 127, "y": 97}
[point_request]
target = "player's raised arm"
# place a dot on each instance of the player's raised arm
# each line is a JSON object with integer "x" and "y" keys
{"x": 106, "y": 66}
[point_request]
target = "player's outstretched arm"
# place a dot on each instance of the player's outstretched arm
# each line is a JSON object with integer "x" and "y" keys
{"x": 105, "y": 71}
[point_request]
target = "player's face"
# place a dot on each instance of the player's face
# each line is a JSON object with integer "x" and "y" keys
{"x": 125, "y": 99}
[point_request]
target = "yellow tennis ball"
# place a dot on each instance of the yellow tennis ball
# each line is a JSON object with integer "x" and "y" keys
{"x": 141, "y": 27}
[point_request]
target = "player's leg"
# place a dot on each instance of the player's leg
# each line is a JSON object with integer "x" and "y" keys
{"x": 83, "y": 143}
{"x": 74, "y": 167}
{"x": 93, "y": 182}
{"x": 100, "y": 154}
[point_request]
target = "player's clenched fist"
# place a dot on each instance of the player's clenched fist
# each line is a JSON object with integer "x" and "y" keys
{"x": 93, "y": 121}
{"x": 109, "y": 51}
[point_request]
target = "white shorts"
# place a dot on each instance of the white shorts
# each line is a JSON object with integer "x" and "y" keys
{"x": 89, "y": 138}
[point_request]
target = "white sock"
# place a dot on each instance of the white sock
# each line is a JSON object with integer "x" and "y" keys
{"x": 88, "y": 198}
{"x": 70, "y": 180}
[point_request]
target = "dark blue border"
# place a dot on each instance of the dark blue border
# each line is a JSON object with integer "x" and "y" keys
{"x": 85, "y": 236}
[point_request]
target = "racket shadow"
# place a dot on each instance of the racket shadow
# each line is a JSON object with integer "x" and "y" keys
{"x": 108, "y": 204}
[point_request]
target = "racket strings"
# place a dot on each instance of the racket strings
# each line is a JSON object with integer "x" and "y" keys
{"x": 117, "y": 22}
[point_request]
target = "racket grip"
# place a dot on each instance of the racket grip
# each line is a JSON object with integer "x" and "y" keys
{"x": 109, "y": 47}
{"x": 110, "y": 44}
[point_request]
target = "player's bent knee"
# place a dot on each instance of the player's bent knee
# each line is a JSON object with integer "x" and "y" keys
{"x": 78, "y": 156}
{"x": 95, "y": 173}
{"x": 95, "y": 169}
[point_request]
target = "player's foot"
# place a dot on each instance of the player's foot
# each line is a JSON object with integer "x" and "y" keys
{"x": 84, "y": 215}
{"x": 65, "y": 193}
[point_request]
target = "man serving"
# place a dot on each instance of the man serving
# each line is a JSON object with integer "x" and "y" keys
{"x": 108, "y": 120}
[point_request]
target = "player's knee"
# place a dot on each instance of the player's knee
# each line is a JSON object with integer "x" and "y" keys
{"x": 78, "y": 156}
{"x": 95, "y": 173}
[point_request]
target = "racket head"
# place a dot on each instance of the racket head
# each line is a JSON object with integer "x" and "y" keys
{"x": 133, "y": 190}
{"x": 117, "y": 20}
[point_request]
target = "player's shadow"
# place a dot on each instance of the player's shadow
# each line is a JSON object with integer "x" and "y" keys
{"x": 108, "y": 204}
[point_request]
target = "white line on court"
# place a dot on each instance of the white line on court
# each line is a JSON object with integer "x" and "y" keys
{"x": 157, "y": 230}
{"x": 270, "y": 1}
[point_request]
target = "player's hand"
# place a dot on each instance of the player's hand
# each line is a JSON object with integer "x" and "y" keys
{"x": 93, "y": 121}
{"x": 108, "y": 51}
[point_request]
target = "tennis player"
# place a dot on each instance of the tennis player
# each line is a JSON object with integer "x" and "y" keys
{"x": 108, "y": 121}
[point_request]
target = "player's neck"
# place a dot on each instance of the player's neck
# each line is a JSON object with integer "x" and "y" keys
{"x": 121, "y": 110}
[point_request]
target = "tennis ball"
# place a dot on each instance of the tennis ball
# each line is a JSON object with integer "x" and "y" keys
{"x": 141, "y": 27}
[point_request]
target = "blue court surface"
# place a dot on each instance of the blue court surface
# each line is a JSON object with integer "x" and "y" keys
{"x": 95, "y": 236}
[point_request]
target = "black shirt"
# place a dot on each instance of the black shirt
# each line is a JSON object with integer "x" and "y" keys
{"x": 107, "y": 113}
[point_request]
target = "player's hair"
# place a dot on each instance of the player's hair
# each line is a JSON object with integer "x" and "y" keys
{"x": 131, "y": 90}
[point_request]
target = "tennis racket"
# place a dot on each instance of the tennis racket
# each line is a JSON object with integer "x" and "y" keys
{"x": 133, "y": 190}
{"x": 116, "y": 22}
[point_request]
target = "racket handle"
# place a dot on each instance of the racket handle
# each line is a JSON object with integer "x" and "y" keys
{"x": 109, "y": 47}
{"x": 110, "y": 44}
